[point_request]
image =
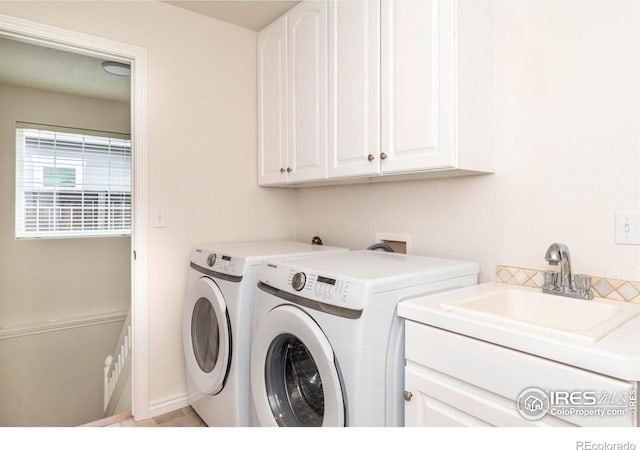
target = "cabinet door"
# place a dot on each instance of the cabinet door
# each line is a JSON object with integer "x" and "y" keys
{"x": 307, "y": 40}
{"x": 423, "y": 410}
{"x": 272, "y": 104}
{"x": 354, "y": 88}
{"x": 438, "y": 400}
{"x": 417, "y": 84}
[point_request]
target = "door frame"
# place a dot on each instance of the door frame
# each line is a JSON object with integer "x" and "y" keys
{"x": 66, "y": 40}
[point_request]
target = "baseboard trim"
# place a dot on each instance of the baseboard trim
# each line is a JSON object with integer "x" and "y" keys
{"x": 105, "y": 422}
{"x": 164, "y": 406}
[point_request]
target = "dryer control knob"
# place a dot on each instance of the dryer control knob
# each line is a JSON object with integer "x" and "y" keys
{"x": 298, "y": 281}
{"x": 211, "y": 260}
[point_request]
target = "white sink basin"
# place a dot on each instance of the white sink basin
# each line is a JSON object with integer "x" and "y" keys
{"x": 587, "y": 320}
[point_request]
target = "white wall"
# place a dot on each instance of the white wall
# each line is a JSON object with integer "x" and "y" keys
{"x": 202, "y": 148}
{"x": 567, "y": 153}
{"x": 49, "y": 279}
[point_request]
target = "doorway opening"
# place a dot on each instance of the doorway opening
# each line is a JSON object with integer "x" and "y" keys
{"x": 59, "y": 178}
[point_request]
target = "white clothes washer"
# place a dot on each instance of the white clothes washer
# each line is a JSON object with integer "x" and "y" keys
{"x": 217, "y": 328}
{"x": 328, "y": 346}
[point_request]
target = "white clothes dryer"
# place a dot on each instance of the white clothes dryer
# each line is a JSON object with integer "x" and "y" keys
{"x": 217, "y": 327}
{"x": 328, "y": 346}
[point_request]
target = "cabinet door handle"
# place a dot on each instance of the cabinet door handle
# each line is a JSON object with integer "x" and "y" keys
{"x": 282, "y": 170}
{"x": 371, "y": 157}
{"x": 407, "y": 396}
{"x": 383, "y": 156}
{"x": 289, "y": 170}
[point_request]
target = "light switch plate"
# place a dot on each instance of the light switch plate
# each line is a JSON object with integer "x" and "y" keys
{"x": 628, "y": 227}
{"x": 159, "y": 218}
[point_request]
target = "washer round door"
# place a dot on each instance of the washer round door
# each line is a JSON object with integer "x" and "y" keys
{"x": 206, "y": 336}
{"x": 294, "y": 378}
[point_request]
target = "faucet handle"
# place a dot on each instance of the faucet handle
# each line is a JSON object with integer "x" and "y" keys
{"x": 582, "y": 284}
{"x": 550, "y": 279}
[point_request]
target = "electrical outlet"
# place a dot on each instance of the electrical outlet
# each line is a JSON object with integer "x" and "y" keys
{"x": 628, "y": 227}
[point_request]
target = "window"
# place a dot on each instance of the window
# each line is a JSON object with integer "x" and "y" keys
{"x": 71, "y": 183}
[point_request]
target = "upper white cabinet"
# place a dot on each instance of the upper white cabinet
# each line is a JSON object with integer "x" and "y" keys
{"x": 354, "y": 88}
{"x": 377, "y": 90}
{"x": 292, "y": 97}
{"x": 273, "y": 160}
{"x": 307, "y": 32}
{"x": 417, "y": 84}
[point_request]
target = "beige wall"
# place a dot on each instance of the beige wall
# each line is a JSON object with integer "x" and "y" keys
{"x": 202, "y": 148}
{"x": 567, "y": 140}
{"x": 567, "y": 110}
{"x": 55, "y": 378}
{"x": 56, "y": 279}
{"x": 49, "y": 279}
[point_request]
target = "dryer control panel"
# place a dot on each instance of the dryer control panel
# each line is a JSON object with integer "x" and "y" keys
{"x": 320, "y": 287}
{"x": 218, "y": 262}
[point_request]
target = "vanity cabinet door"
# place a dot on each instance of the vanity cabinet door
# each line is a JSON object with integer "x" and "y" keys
{"x": 272, "y": 104}
{"x": 422, "y": 409}
{"x": 433, "y": 399}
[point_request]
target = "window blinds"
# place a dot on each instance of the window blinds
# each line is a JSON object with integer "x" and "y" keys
{"x": 71, "y": 183}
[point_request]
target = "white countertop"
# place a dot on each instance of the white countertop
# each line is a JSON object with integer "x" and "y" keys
{"x": 617, "y": 354}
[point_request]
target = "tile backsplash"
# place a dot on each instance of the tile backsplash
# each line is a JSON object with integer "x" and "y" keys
{"x": 610, "y": 288}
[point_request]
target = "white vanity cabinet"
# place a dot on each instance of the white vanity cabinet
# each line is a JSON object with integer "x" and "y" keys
{"x": 455, "y": 380}
{"x": 292, "y": 97}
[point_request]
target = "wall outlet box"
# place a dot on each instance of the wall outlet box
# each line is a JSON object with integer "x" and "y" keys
{"x": 400, "y": 243}
{"x": 628, "y": 227}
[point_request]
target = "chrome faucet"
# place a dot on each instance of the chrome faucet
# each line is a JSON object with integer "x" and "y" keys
{"x": 559, "y": 254}
{"x": 578, "y": 287}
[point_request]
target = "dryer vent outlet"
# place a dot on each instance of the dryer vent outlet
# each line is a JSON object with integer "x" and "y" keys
{"x": 400, "y": 243}
{"x": 397, "y": 246}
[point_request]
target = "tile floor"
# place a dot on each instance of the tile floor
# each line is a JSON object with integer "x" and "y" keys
{"x": 185, "y": 417}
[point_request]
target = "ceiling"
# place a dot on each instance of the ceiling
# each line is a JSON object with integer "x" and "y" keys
{"x": 254, "y": 15}
{"x": 38, "y": 67}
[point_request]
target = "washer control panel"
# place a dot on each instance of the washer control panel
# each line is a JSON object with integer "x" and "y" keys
{"x": 315, "y": 286}
{"x": 218, "y": 262}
